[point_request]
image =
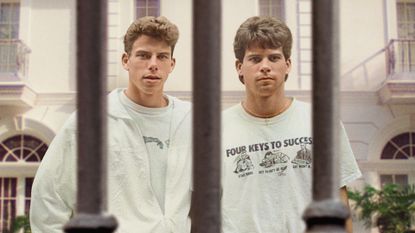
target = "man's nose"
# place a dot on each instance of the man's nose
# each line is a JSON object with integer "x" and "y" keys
{"x": 153, "y": 66}
{"x": 265, "y": 66}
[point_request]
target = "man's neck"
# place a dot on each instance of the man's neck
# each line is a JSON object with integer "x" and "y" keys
{"x": 152, "y": 100}
{"x": 266, "y": 107}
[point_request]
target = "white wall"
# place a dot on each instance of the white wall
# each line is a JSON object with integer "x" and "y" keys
{"x": 362, "y": 30}
{"x": 52, "y": 41}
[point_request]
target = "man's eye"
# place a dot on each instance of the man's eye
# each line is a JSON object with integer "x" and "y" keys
{"x": 163, "y": 57}
{"x": 255, "y": 59}
{"x": 143, "y": 56}
{"x": 274, "y": 58}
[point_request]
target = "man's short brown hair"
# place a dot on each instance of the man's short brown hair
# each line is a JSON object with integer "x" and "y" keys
{"x": 157, "y": 27}
{"x": 267, "y": 32}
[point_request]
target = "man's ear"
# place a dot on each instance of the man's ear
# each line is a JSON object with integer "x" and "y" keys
{"x": 172, "y": 64}
{"x": 124, "y": 61}
{"x": 238, "y": 66}
{"x": 288, "y": 62}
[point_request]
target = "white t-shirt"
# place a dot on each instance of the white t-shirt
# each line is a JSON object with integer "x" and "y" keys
{"x": 267, "y": 174}
{"x": 155, "y": 126}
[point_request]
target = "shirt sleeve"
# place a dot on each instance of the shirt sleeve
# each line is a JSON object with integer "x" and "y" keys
{"x": 349, "y": 170}
{"x": 53, "y": 191}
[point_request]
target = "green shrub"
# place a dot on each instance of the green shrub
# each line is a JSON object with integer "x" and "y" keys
{"x": 390, "y": 209}
{"x": 21, "y": 222}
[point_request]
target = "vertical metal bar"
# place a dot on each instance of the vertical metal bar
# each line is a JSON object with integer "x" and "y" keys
{"x": 91, "y": 99}
{"x": 402, "y": 52}
{"x": 206, "y": 116}
{"x": 326, "y": 213}
{"x": 409, "y": 56}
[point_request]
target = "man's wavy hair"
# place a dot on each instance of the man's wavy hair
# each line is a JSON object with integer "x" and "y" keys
{"x": 157, "y": 27}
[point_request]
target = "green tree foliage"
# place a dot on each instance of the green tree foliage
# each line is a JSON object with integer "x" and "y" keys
{"x": 21, "y": 222}
{"x": 389, "y": 208}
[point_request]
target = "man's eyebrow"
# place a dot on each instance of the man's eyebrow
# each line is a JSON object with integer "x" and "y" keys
{"x": 141, "y": 51}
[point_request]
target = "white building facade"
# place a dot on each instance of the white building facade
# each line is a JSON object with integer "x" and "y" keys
{"x": 38, "y": 80}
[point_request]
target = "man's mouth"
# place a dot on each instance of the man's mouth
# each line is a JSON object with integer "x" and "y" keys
{"x": 151, "y": 77}
{"x": 264, "y": 78}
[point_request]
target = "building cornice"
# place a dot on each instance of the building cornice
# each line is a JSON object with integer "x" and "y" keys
{"x": 17, "y": 94}
{"x": 403, "y": 166}
{"x": 398, "y": 92}
{"x": 58, "y": 98}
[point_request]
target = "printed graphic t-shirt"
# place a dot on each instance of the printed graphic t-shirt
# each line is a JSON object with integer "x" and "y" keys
{"x": 267, "y": 170}
{"x": 155, "y": 126}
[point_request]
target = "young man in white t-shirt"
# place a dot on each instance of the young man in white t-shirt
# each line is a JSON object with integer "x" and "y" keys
{"x": 149, "y": 159}
{"x": 267, "y": 139}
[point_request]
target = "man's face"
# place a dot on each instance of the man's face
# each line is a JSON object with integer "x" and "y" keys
{"x": 149, "y": 65}
{"x": 263, "y": 70}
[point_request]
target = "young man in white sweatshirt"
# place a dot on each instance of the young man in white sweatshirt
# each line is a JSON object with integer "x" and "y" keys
{"x": 149, "y": 151}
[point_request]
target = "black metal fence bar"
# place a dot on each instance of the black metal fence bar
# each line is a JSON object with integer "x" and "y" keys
{"x": 206, "y": 116}
{"x": 91, "y": 123}
{"x": 326, "y": 213}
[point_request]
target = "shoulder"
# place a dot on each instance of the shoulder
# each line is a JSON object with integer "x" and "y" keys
{"x": 71, "y": 122}
{"x": 182, "y": 110}
{"x": 302, "y": 108}
{"x": 233, "y": 119}
{"x": 301, "y": 104}
{"x": 232, "y": 111}
{"x": 179, "y": 104}
{"x": 69, "y": 127}
{"x": 66, "y": 136}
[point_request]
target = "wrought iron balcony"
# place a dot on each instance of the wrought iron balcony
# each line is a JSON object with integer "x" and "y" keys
{"x": 14, "y": 60}
{"x": 400, "y": 55}
{"x": 390, "y": 71}
{"x": 399, "y": 86}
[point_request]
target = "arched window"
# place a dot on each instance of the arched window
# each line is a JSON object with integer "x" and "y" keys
{"x": 20, "y": 149}
{"x": 399, "y": 148}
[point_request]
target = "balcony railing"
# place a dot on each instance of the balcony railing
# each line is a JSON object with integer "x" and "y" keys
{"x": 400, "y": 55}
{"x": 14, "y": 60}
{"x": 395, "y": 61}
